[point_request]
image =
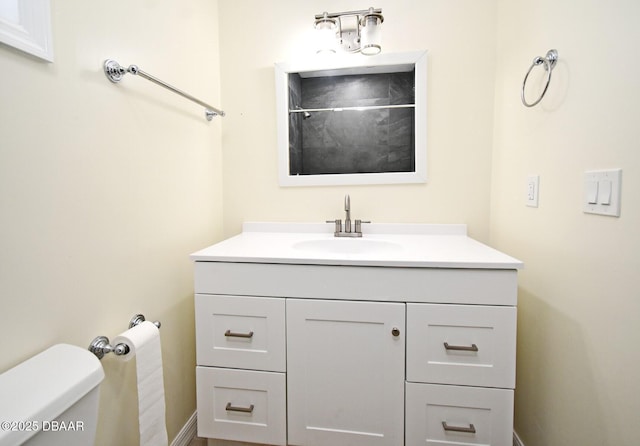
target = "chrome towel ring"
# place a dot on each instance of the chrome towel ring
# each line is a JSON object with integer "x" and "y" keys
{"x": 548, "y": 62}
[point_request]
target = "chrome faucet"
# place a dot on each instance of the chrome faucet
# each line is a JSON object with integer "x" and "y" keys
{"x": 347, "y": 211}
{"x": 347, "y": 232}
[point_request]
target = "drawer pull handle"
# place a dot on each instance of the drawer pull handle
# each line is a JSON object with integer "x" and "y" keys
{"x": 464, "y": 348}
{"x": 239, "y": 409}
{"x": 229, "y": 333}
{"x": 470, "y": 430}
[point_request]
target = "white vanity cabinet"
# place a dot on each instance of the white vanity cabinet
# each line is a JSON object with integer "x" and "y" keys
{"x": 293, "y": 350}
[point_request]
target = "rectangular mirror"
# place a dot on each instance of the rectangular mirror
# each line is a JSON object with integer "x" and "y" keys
{"x": 352, "y": 120}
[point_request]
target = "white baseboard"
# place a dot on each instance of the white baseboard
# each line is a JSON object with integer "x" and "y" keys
{"x": 516, "y": 440}
{"x": 188, "y": 432}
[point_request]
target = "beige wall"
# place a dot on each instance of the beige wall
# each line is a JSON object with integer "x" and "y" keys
{"x": 579, "y": 305}
{"x": 105, "y": 190}
{"x": 460, "y": 38}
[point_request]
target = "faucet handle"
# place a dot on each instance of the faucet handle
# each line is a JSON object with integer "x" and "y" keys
{"x": 338, "y": 225}
{"x": 359, "y": 225}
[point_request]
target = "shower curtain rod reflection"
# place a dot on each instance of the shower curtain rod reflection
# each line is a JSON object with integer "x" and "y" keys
{"x": 360, "y": 108}
{"x": 115, "y": 72}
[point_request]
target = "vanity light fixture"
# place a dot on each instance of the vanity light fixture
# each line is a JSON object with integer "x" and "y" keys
{"x": 326, "y": 33}
{"x": 352, "y": 31}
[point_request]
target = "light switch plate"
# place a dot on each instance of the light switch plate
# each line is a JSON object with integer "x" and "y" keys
{"x": 533, "y": 186}
{"x": 602, "y": 189}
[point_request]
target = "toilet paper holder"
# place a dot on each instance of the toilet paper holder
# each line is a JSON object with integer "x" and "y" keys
{"x": 100, "y": 346}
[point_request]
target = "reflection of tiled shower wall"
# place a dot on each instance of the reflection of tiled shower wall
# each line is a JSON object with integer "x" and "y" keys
{"x": 366, "y": 141}
{"x": 295, "y": 125}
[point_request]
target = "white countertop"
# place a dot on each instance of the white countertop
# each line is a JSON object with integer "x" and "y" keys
{"x": 389, "y": 245}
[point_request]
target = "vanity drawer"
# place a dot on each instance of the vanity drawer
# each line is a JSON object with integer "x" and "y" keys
{"x": 241, "y": 405}
{"x": 442, "y": 415}
{"x": 461, "y": 344}
{"x": 240, "y": 332}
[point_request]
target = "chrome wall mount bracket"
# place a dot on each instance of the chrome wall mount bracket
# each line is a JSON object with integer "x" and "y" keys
{"x": 552, "y": 57}
{"x": 138, "y": 319}
{"x": 114, "y": 71}
{"x": 100, "y": 346}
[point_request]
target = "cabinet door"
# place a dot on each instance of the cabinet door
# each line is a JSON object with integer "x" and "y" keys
{"x": 345, "y": 373}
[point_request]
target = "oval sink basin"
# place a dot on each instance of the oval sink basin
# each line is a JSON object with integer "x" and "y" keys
{"x": 347, "y": 246}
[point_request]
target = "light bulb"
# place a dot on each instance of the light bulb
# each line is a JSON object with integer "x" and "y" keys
{"x": 325, "y": 35}
{"x": 371, "y": 36}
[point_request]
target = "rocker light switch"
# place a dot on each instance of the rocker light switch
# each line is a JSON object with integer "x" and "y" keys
{"x": 592, "y": 191}
{"x": 602, "y": 190}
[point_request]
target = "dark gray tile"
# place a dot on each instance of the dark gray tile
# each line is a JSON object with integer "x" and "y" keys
{"x": 402, "y": 88}
{"x": 368, "y": 141}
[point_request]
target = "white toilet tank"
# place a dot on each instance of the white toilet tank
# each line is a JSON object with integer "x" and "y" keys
{"x": 51, "y": 399}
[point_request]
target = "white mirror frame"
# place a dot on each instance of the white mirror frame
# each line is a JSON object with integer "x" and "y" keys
{"x": 353, "y": 64}
{"x": 30, "y": 31}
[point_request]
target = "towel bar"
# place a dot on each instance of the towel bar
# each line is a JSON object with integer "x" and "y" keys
{"x": 115, "y": 72}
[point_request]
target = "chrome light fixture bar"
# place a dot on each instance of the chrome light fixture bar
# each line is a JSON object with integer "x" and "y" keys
{"x": 352, "y": 31}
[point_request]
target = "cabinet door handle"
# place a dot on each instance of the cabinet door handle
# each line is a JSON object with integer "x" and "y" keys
{"x": 464, "y": 348}
{"x": 229, "y": 333}
{"x": 470, "y": 430}
{"x": 239, "y": 409}
{"x": 395, "y": 331}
